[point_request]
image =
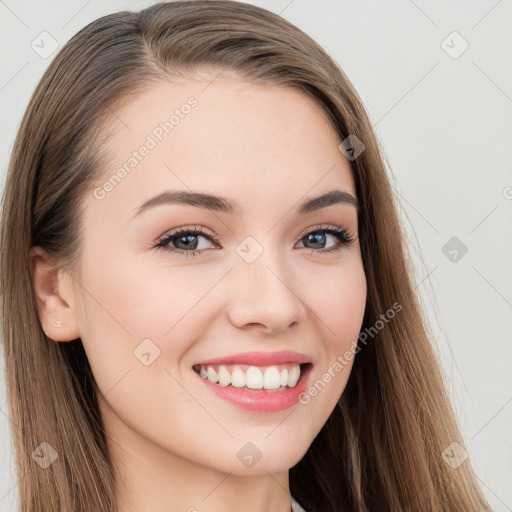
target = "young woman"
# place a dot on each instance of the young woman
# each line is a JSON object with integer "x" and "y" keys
{"x": 207, "y": 303}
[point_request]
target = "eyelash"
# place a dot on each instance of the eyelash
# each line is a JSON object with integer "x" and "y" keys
{"x": 344, "y": 238}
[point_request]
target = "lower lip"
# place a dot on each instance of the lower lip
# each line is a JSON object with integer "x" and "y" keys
{"x": 260, "y": 399}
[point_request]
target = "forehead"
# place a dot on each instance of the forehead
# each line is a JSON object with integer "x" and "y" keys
{"x": 227, "y": 137}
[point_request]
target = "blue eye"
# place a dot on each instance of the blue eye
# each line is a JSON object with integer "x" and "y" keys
{"x": 187, "y": 238}
{"x": 318, "y": 236}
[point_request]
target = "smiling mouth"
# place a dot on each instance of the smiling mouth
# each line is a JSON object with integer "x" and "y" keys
{"x": 269, "y": 378}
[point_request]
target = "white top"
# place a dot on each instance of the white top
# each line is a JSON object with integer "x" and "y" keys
{"x": 295, "y": 505}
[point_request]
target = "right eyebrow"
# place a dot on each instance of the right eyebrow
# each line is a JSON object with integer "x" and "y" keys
{"x": 187, "y": 198}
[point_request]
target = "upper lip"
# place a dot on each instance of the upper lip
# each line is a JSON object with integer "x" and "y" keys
{"x": 261, "y": 358}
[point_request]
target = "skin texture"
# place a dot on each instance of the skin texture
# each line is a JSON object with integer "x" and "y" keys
{"x": 268, "y": 148}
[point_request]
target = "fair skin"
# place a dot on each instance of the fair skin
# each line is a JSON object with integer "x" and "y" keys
{"x": 268, "y": 149}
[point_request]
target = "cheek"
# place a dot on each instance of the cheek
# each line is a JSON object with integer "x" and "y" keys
{"x": 139, "y": 299}
{"x": 138, "y": 322}
{"x": 339, "y": 305}
{"x": 347, "y": 308}
{"x": 338, "y": 299}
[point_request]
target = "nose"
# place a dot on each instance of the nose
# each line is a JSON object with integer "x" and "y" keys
{"x": 264, "y": 295}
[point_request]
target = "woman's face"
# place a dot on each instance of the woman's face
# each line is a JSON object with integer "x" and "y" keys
{"x": 251, "y": 281}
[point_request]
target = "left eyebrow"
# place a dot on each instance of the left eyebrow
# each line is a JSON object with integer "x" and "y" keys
{"x": 221, "y": 204}
{"x": 328, "y": 199}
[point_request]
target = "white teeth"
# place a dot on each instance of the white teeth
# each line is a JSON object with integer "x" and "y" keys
{"x": 284, "y": 377}
{"x": 253, "y": 377}
{"x": 224, "y": 376}
{"x": 293, "y": 376}
{"x": 272, "y": 378}
{"x": 238, "y": 378}
{"x": 212, "y": 375}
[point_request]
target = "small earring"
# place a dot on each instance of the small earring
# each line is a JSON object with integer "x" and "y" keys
{"x": 58, "y": 323}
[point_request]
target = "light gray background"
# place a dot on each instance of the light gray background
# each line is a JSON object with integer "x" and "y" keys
{"x": 446, "y": 128}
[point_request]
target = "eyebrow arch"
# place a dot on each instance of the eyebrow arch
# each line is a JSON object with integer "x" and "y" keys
{"x": 221, "y": 204}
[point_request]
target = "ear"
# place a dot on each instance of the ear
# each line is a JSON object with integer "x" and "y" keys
{"x": 55, "y": 300}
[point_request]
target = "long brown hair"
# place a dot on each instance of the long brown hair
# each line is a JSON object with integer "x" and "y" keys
{"x": 381, "y": 448}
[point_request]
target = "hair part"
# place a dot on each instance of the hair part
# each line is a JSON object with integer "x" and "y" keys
{"x": 381, "y": 447}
